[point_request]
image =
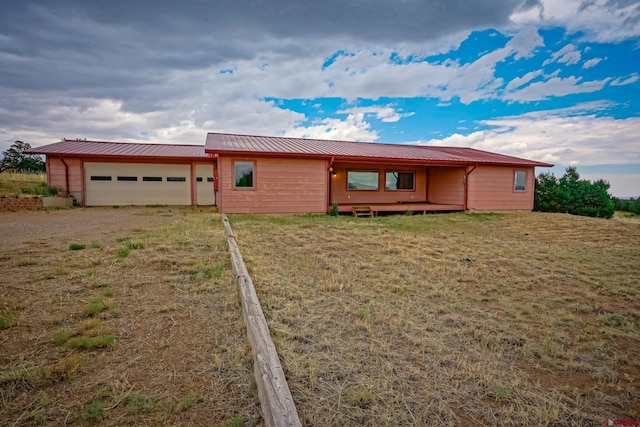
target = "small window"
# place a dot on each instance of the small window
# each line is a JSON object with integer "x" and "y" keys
{"x": 399, "y": 181}
{"x": 152, "y": 178}
{"x": 244, "y": 174}
{"x": 199, "y": 179}
{"x": 362, "y": 180}
{"x": 210, "y": 179}
{"x": 100, "y": 178}
{"x": 127, "y": 178}
{"x": 520, "y": 181}
{"x": 176, "y": 179}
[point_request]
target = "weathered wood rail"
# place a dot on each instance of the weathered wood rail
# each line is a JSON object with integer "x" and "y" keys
{"x": 278, "y": 408}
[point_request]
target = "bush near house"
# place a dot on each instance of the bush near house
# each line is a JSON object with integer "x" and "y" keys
{"x": 570, "y": 194}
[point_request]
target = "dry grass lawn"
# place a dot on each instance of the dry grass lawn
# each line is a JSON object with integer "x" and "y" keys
{"x": 12, "y": 183}
{"x": 452, "y": 319}
{"x": 122, "y": 317}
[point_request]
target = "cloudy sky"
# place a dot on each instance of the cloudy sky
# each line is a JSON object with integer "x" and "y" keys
{"x": 550, "y": 80}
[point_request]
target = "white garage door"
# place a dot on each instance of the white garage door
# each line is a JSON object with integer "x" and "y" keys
{"x": 110, "y": 184}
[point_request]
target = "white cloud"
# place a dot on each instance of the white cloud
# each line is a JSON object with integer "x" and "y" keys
{"x": 554, "y": 87}
{"x": 591, "y": 63}
{"x": 521, "y": 81}
{"x": 567, "y": 55}
{"x": 566, "y": 136}
{"x": 353, "y": 128}
{"x": 621, "y": 81}
{"x": 386, "y": 114}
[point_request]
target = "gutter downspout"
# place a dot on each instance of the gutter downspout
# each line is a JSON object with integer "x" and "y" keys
{"x": 216, "y": 180}
{"x": 466, "y": 189}
{"x": 329, "y": 176}
{"x": 66, "y": 175}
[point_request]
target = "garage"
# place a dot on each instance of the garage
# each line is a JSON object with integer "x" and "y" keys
{"x": 110, "y": 184}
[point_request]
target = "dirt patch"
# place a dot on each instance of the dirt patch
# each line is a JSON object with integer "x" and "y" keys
{"x": 122, "y": 317}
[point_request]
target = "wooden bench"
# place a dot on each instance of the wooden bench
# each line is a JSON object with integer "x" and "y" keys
{"x": 362, "y": 212}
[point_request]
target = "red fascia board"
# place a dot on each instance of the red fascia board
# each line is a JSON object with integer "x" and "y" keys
{"x": 121, "y": 157}
{"x": 365, "y": 159}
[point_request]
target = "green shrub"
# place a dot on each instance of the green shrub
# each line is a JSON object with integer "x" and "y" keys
{"x": 573, "y": 195}
{"x": 334, "y": 210}
{"x": 41, "y": 190}
{"x": 76, "y": 247}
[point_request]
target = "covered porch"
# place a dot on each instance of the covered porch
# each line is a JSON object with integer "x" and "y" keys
{"x": 389, "y": 187}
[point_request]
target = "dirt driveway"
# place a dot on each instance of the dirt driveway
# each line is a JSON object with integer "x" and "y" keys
{"x": 122, "y": 316}
{"x": 94, "y": 224}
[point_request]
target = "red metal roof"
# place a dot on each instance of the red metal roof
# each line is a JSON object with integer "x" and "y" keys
{"x": 82, "y": 148}
{"x": 346, "y": 150}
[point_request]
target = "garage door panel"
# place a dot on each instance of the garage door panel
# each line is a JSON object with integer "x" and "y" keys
{"x": 137, "y": 184}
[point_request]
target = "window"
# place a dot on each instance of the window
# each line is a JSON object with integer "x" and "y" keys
{"x": 176, "y": 179}
{"x": 199, "y": 179}
{"x": 244, "y": 174}
{"x": 127, "y": 178}
{"x": 152, "y": 178}
{"x": 209, "y": 179}
{"x": 399, "y": 181}
{"x": 520, "y": 181}
{"x": 100, "y": 178}
{"x": 362, "y": 180}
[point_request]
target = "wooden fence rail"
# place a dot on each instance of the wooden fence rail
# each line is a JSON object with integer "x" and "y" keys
{"x": 278, "y": 408}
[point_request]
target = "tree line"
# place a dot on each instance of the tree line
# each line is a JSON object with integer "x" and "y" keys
{"x": 15, "y": 160}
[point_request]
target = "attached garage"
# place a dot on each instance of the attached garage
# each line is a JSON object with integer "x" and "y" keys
{"x": 100, "y": 173}
{"x": 109, "y": 184}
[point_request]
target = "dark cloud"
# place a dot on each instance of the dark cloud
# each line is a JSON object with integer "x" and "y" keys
{"x": 69, "y": 44}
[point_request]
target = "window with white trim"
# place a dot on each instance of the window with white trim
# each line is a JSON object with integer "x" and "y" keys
{"x": 520, "y": 181}
{"x": 244, "y": 174}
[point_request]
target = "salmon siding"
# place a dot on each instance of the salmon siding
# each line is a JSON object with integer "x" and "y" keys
{"x": 494, "y": 188}
{"x": 274, "y": 185}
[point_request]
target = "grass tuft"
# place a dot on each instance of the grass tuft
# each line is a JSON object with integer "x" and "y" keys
{"x": 94, "y": 410}
{"x": 76, "y": 246}
{"x": 123, "y": 252}
{"x": 88, "y": 343}
{"x": 62, "y": 336}
{"x": 236, "y": 421}
{"x": 135, "y": 245}
{"x": 188, "y": 401}
{"x": 617, "y": 321}
{"x": 97, "y": 305}
{"x": 360, "y": 396}
{"x": 137, "y": 403}
{"x": 362, "y": 313}
{"x": 6, "y": 321}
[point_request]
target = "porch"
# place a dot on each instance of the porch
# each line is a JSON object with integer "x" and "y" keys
{"x": 417, "y": 207}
